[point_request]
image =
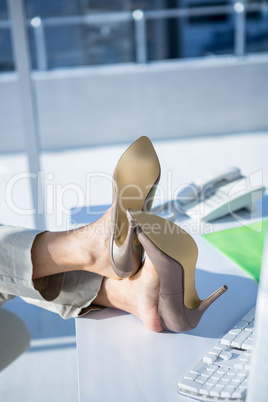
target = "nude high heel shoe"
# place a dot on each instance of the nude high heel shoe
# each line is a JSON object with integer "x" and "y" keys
{"x": 135, "y": 179}
{"x": 174, "y": 254}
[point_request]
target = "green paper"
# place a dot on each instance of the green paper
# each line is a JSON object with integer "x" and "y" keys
{"x": 243, "y": 245}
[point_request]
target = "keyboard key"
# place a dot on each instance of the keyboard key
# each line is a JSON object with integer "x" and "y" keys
{"x": 222, "y": 370}
{"x": 189, "y": 385}
{"x": 226, "y": 355}
{"x": 222, "y": 385}
{"x": 205, "y": 389}
{"x": 248, "y": 344}
{"x": 227, "y": 393}
{"x": 250, "y": 326}
{"x": 216, "y": 376}
{"x": 212, "y": 368}
{"x": 211, "y": 382}
{"x": 237, "y": 342}
{"x": 216, "y": 391}
{"x": 249, "y": 316}
{"x": 239, "y": 366}
{"x": 231, "y": 385}
{"x": 190, "y": 376}
{"x": 199, "y": 368}
{"x": 218, "y": 347}
{"x": 235, "y": 331}
{"x": 209, "y": 358}
{"x": 241, "y": 375}
{"x": 231, "y": 373}
{"x": 244, "y": 359}
{"x": 237, "y": 380}
{"x": 227, "y": 339}
{"x": 225, "y": 380}
{"x": 214, "y": 352}
{"x": 239, "y": 393}
{"x": 234, "y": 382}
{"x": 241, "y": 324}
{"x": 207, "y": 373}
{"x": 201, "y": 380}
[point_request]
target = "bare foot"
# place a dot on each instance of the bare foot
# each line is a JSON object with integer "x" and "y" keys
{"x": 146, "y": 286}
{"x": 137, "y": 295}
{"x": 85, "y": 248}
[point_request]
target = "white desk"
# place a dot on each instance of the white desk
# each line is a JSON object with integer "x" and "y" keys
{"x": 118, "y": 358}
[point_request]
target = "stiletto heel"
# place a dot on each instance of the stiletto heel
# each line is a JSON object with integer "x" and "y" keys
{"x": 126, "y": 259}
{"x": 174, "y": 255}
{"x": 135, "y": 179}
{"x": 193, "y": 316}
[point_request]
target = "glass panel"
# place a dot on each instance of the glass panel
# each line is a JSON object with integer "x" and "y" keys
{"x": 196, "y": 36}
{"x": 207, "y": 35}
{"x": 257, "y": 32}
{"x": 15, "y": 183}
{"x": 68, "y": 40}
{"x": 90, "y": 44}
{"x": 158, "y": 43}
{"x": 127, "y": 5}
{"x": 53, "y": 8}
{"x": 3, "y": 10}
{"x": 6, "y": 57}
{"x": 65, "y": 42}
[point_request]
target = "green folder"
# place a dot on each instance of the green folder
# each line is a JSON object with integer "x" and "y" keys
{"x": 243, "y": 245}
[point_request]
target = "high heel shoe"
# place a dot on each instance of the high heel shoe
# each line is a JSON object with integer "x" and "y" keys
{"x": 174, "y": 254}
{"x": 135, "y": 179}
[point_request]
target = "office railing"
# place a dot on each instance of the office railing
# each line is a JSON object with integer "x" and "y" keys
{"x": 140, "y": 18}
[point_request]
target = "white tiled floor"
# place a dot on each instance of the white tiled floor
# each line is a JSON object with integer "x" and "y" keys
{"x": 41, "y": 376}
{"x": 49, "y": 373}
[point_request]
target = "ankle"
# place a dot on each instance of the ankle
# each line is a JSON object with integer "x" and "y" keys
{"x": 116, "y": 294}
{"x": 81, "y": 238}
{"x": 92, "y": 250}
{"x": 121, "y": 295}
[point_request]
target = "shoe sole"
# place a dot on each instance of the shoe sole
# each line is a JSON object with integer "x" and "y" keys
{"x": 135, "y": 179}
{"x": 179, "y": 248}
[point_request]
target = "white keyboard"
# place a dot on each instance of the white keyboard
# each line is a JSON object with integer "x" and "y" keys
{"x": 222, "y": 374}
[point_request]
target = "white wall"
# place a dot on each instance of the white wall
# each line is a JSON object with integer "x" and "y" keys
{"x": 89, "y": 106}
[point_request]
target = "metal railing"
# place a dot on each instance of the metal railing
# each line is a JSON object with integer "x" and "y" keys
{"x": 140, "y": 18}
